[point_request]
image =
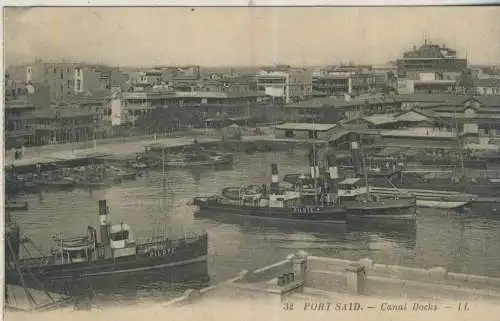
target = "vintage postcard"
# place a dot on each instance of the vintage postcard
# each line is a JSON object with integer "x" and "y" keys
{"x": 241, "y": 163}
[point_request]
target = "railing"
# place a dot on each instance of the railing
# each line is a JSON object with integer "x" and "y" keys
{"x": 190, "y": 238}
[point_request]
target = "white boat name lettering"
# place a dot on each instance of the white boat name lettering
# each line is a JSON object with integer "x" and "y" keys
{"x": 305, "y": 210}
{"x": 154, "y": 251}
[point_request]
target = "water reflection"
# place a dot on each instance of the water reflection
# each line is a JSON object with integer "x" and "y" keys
{"x": 462, "y": 242}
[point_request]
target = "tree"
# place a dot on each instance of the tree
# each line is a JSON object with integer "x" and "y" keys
{"x": 466, "y": 81}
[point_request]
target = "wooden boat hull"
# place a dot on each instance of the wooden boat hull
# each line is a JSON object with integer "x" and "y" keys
{"x": 330, "y": 215}
{"x": 215, "y": 162}
{"x": 59, "y": 277}
{"x": 482, "y": 189}
{"x": 429, "y": 198}
{"x": 100, "y": 184}
{"x": 61, "y": 184}
{"x": 128, "y": 176}
{"x": 16, "y": 207}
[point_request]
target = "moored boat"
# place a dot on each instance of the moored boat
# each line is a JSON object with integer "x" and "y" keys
{"x": 200, "y": 159}
{"x": 58, "y": 181}
{"x": 16, "y": 206}
{"x": 116, "y": 253}
{"x": 276, "y": 207}
{"x": 274, "y": 204}
{"x": 429, "y": 198}
{"x": 360, "y": 202}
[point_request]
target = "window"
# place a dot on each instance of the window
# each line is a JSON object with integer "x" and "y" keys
{"x": 69, "y": 84}
{"x": 289, "y": 133}
{"x": 55, "y": 70}
{"x": 78, "y": 85}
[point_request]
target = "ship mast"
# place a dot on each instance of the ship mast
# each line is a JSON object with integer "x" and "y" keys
{"x": 314, "y": 169}
{"x": 459, "y": 144}
{"x": 365, "y": 172}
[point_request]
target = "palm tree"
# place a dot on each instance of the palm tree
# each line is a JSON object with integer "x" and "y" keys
{"x": 466, "y": 81}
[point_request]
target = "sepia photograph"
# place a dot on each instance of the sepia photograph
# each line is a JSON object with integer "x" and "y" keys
{"x": 251, "y": 162}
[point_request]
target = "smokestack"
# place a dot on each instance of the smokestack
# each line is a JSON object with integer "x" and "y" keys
{"x": 313, "y": 163}
{"x": 104, "y": 222}
{"x": 356, "y": 157}
{"x": 275, "y": 181}
{"x": 332, "y": 166}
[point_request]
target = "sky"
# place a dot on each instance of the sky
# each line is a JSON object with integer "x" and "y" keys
{"x": 246, "y": 36}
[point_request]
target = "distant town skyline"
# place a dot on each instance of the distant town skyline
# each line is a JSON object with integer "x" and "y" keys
{"x": 140, "y": 37}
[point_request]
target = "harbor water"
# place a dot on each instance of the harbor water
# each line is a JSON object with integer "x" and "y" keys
{"x": 466, "y": 241}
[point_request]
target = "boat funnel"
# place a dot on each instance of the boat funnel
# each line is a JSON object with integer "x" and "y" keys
{"x": 313, "y": 163}
{"x": 104, "y": 224}
{"x": 275, "y": 183}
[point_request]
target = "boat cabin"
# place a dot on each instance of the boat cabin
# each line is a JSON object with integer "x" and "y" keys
{"x": 122, "y": 240}
{"x": 287, "y": 199}
{"x": 352, "y": 188}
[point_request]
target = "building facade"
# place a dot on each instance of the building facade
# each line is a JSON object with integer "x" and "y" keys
{"x": 66, "y": 78}
{"x": 429, "y": 58}
{"x": 285, "y": 84}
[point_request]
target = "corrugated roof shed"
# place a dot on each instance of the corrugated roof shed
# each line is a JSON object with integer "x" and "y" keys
{"x": 306, "y": 126}
{"x": 350, "y": 181}
{"x": 381, "y": 119}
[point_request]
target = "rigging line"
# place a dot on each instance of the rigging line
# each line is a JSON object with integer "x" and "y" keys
{"x": 36, "y": 280}
{"x": 21, "y": 277}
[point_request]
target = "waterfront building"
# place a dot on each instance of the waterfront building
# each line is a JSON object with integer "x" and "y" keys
{"x": 187, "y": 107}
{"x": 21, "y": 101}
{"x": 304, "y": 131}
{"x": 332, "y": 110}
{"x": 64, "y": 125}
{"x": 19, "y": 123}
{"x": 478, "y": 115}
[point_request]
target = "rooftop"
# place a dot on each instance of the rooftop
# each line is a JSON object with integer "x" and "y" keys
{"x": 52, "y": 113}
{"x": 448, "y": 99}
{"x": 430, "y": 51}
{"x": 341, "y": 103}
{"x": 306, "y": 126}
{"x": 18, "y": 104}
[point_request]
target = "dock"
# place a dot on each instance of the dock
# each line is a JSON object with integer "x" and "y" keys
{"x": 18, "y": 299}
{"x": 305, "y": 282}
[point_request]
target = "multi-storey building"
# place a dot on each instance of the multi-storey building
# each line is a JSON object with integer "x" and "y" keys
{"x": 66, "y": 78}
{"x": 285, "y": 83}
{"x": 427, "y": 59}
{"x": 21, "y": 102}
{"x": 353, "y": 81}
{"x": 55, "y": 125}
{"x": 19, "y": 123}
{"x": 188, "y": 107}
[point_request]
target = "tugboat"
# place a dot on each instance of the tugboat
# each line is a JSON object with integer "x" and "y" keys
{"x": 275, "y": 204}
{"x": 117, "y": 253}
